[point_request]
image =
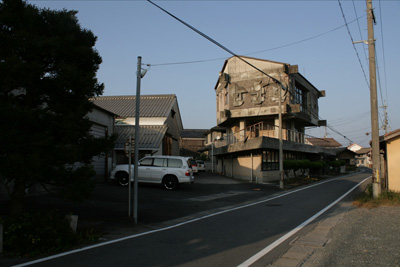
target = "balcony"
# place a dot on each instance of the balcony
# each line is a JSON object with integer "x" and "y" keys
{"x": 257, "y": 130}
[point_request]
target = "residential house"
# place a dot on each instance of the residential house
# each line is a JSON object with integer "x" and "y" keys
{"x": 342, "y": 153}
{"x": 324, "y": 142}
{"x": 191, "y": 142}
{"x": 248, "y": 107}
{"x": 103, "y": 125}
{"x": 348, "y": 156}
{"x": 390, "y": 144}
{"x": 354, "y": 147}
{"x": 160, "y": 123}
{"x": 363, "y": 157}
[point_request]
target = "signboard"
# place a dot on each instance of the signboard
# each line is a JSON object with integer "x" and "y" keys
{"x": 129, "y": 146}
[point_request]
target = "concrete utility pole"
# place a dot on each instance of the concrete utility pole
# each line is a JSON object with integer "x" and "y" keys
{"x": 281, "y": 184}
{"x": 139, "y": 76}
{"x": 374, "y": 103}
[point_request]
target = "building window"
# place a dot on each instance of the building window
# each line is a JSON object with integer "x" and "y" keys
{"x": 290, "y": 155}
{"x": 227, "y": 95}
{"x": 270, "y": 160}
{"x": 300, "y": 97}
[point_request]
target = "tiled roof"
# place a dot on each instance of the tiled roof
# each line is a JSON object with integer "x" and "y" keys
{"x": 391, "y": 135}
{"x": 324, "y": 142}
{"x": 125, "y": 106}
{"x": 150, "y": 137}
{"x": 193, "y": 133}
{"x": 363, "y": 150}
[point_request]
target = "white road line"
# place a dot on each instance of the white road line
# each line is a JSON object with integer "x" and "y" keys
{"x": 263, "y": 252}
{"x": 217, "y": 196}
{"x": 180, "y": 224}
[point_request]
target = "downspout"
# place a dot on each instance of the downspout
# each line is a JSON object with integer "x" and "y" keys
{"x": 251, "y": 173}
{"x": 231, "y": 166}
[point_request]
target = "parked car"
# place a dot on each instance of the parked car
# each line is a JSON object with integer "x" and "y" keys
{"x": 193, "y": 165}
{"x": 200, "y": 166}
{"x": 170, "y": 171}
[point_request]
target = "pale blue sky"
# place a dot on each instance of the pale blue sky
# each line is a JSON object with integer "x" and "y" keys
{"x": 128, "y": 29}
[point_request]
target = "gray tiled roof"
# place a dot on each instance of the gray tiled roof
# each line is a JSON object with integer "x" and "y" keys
{"x": 324, "y": 142}
{"x": 193, "y": 133}
{"x": 150, "y": 137}
{"x": 125, "y": 106}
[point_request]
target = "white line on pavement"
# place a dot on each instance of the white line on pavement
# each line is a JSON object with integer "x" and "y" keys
{"x": 279, "y": 241}
{"x": 180, "y": 224}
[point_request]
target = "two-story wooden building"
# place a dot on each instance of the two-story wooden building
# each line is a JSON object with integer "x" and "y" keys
{"x": 160, "y": 123}
{"x": 248, "y": 108}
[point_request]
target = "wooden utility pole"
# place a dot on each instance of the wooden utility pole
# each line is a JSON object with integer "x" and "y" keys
{"x": 374, "y": 103}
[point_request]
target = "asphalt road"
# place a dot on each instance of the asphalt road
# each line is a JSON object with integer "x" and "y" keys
{"x": 228, "y": 237}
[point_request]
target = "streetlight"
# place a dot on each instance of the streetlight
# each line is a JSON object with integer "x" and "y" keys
{"x": 139, "y": 75}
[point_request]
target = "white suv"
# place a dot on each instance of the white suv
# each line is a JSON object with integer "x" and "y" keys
{"x": 170, "y": 171}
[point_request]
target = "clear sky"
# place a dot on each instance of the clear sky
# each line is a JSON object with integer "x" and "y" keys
{"x": 311, "y": 34}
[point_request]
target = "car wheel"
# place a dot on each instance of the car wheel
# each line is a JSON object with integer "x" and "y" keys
{"x": 122, "y": 178}
{"x": 170, "y": 182}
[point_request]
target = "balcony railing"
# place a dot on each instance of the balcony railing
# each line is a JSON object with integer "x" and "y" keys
{"x": 260, "y": 129}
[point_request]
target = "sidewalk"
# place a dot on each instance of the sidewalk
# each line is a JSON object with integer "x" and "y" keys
{"x": 350, "y": 237}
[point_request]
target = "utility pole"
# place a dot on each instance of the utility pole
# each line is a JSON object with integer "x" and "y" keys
{"x": 281, "y": 183}
{"x": 376, "y": 186}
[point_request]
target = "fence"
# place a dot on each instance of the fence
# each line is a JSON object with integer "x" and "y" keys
{"x": 260, "y": 129}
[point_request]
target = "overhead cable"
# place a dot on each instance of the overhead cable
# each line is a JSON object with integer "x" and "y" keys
{"x": 352, "y": 41}
{"x": 261, "y": 51}
{"x": 218, "y": 44}
{"x": 235, "y": 55}
{"x": 383, "y": 49}
{"x": 359, "y": 30}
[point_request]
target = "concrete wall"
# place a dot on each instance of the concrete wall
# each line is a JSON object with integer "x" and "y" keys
{"x": 393, "y": 159}
{"x": 246, "y": 168}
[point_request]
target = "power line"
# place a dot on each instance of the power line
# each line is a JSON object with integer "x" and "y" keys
{"x": 352, "y": 41}
{"x": 258, "y": 52}
{"x": 232, "y": 53}
{"x": 383, "y": 48}
{"x": 218, "y": 44}
{"x": 359, "y": 30}
{"x": 355, "y": 116}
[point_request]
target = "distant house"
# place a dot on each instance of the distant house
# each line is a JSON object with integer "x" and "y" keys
{"x": 323, "y": 142}
{"x": 191, "y": 142}
{"x": 349, "y": 157}
{"x": 103, "y": 125}
{"x": 354, "y": 147}
{"x": 390, "y": 144}
{"x": 160, "y": 123}
{"x": 363, "y": 157}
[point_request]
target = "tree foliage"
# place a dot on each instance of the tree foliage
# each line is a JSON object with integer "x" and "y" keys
{"x": 48, "y": 67}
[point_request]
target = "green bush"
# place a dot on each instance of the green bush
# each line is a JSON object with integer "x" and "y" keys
{"x": 38, "y": 233}
{"x": 203, "y": 156}
{"x": 337, "y": 163}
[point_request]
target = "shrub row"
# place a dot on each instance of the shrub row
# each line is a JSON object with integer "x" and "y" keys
{"x": 41, "y": 233}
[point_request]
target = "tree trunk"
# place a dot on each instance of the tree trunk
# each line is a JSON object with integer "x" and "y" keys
{"x": 17, "y": 203}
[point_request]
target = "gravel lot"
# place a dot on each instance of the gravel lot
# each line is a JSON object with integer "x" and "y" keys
{"x": 362, "y": 237}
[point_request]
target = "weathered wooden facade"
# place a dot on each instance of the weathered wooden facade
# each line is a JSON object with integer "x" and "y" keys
{"x": 191, "y": 142}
